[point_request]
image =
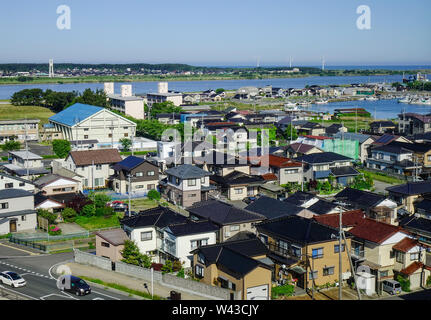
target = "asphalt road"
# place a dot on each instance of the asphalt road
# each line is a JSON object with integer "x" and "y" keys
{"x": 419, "y": 295}
{"x": 36, "y": 269}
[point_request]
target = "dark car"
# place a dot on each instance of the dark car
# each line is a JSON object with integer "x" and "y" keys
{"x": 249, "y": 200}
{"x": 74, "y": 285}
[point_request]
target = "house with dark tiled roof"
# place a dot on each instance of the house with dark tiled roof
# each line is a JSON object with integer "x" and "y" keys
{"x": 298, "y": 149}
{"x": 381, "y": 127}
{"x": 144, "y": 176}
{"x": 238, "y": 185}
{"x": 240, "y": 266}
{"x": 272, "y": 208}
{"x": 8, "y": 181}
{"x": 302, "y": 199}
{"x": 17, "y": 211}
{"x": 167, "y": 235}
{"x": 186, "y": 184}
{"x": 304, "y": 250}
{"x": 414, "y": 123}
{"x": 229, "y": 219}
{"x": 406, "y": 195}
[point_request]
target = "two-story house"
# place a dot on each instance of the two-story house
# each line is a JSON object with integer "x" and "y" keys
{"x": 393, "y": 159}
{"x": 93, "y": 165}
{"x": 135, "y": 175}
{"x": 13, "y": 182}
{"x": 304, "y": 251}
{"x": 319, "y": 166}
{"x": 17, "y": 211}
{"x": 185, "y": 185}
{"x": 406, "y": 195}
{"x": 229, "y": 219}
{"x": 238, "y": 185}
{"x": 164, "y": 234}
{"x": 25, "y": 164}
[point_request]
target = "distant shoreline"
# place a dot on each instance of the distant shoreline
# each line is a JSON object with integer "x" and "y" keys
{"x": 151, "y": 78}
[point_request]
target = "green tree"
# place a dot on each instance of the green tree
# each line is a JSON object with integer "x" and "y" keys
{"x": 88, "y": 210}
{"x": 94, "y": 98}
{"x": 69, "y": 214}
{"x": 47, "y": 215}
{"x": 101, "y": 199}
{"x": 61, "y": 147}
{"x": 167, "y": 267}
{"x": 290, "y": 133}
{"x": 153, "y": 195}
{"x": 132, "y": 255}
{"x": 164, "y": 107}
{"x": 11, "y": 145}
{"x": 126, "y": 143}
{"x": 220, "y": 90}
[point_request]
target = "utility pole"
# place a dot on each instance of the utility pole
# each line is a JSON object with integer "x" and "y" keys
{"x": 92, "y": 174}
{"x": 340, "y": 271}
{"x": 351, "y": 266}
{"x": 26, "y": 147}
{"x": 129, "y": 176}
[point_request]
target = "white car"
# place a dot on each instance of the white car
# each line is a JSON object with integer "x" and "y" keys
{"x": 12, "y": 279}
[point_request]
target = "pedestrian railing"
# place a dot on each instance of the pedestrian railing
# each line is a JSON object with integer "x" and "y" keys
{"x": 11, "y": 295}
{"x": 28, "y": 243}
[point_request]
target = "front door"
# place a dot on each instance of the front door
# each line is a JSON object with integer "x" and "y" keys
{"x": 12, "y": 226}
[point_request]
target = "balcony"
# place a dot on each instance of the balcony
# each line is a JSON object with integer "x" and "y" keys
{"x": 284, "y": 252}
{"x": 357, "y": 253}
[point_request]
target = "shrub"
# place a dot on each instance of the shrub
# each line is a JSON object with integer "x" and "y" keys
{"x": 181, "y": 274}
{"x": 69, "y": 214}
{"x": 47, "y": 215}
{"x": 101, "y": 199}
{"x": 428, "y": 283}
{"x": 88, "y": 210}
{"x": 404, "y": 282}
{"x": 167, "y": 267}
{"x": 285, "y": 290}
{"x": 153, "y": 195}
{"x": 54, "y": 230}
{"x": 177, "y": 265}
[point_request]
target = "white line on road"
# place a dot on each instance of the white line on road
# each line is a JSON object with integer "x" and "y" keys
{"x": 105, "y": 295}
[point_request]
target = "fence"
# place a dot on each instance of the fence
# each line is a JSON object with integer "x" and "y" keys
{"x": 11, "y": 295}
{"x": 158, "y": 277}
{"x": 28, "y": 243}
{"x": 43, "y": 223}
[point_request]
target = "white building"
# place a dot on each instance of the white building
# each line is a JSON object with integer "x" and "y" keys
{"x": 125, "y": 102}
{"x": 17, "y": 211}
{"x": 163, "y": 95}
{"x": 84, "y": 122}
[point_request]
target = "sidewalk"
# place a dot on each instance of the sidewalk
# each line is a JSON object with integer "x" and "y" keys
{"x": 130, "y": 282}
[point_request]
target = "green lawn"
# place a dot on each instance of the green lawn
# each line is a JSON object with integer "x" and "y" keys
{"x": 91, "y": 223}
{"x": 11, "y": 112}
{"x": 383, "y": 177}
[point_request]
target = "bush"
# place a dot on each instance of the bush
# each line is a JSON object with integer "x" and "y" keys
{"x": 153, "y": 195}
{"x": 167, "y": 267}
{"x": 177, "y": 266}
{"x": 61, "y": 148}
{"x": 285, "y": 290}
{"x": 47, "y": 215}
{"x": 404, "y": 282}
{"x": 181, "y": 274}
{"x": 104, "y": 211}
{"x": 428, "y": 283}
{"x": 88, "y": 210}
{"x": 69, "y": 214}
{"x": 101, "y": 199}
{"x": 11, "y": 145}
{"x": 54, "y": 231}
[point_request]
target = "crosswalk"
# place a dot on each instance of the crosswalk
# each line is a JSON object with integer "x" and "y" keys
{"x": 26, "y": 271}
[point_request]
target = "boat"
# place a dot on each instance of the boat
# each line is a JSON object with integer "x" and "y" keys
{"x": 290, "y": 104}
{"x": 321, "y": 102}
{"x": 305, "y": 104}
{"x": 371, "y": 99}
{"x": 406, "y": 99}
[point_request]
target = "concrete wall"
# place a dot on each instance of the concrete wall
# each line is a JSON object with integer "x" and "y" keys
{"x": 137, "y": 272}
{"x": 93, "y": 260}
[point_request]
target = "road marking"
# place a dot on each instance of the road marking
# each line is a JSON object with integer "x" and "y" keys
{"x": 58, "y": 295}
{"x": 98, "y": 299}
{"x": 105, "y": 295}
{"x": 29, "y": 252}
{"x": 19, "y": 293}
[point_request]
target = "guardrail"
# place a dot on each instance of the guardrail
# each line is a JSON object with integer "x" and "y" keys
{"x": 11, "y": 295}
{"x": 28, "y": 243}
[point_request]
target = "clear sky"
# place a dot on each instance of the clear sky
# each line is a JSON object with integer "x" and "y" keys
{"x": 223, "y": 32}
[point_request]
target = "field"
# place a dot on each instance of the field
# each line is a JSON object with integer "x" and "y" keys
{"x": 361, "y": 123}
{"x": 91, "y": 223}
{"x": 10, "y": 112}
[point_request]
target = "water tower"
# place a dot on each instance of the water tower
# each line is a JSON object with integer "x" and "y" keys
{"x": 163, "y": 87}
{"x": 126, "y": 90}
{"x": 108, "y": 88}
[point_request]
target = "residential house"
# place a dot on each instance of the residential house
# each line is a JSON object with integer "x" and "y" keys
{"x": 25, "y": 164}
{"x": 376, "y": 206}
{"x": 405, "y": 195}
{"x": 285, "y": 169}
{"x": 364, "y": 143}
{"x": 19, "y": 130}
{"x": 388, "y": 138}
{"x": 420, "y": 227}
{"x": 164, "y": 234}
{"x": 320, "y": 166}
{"x": 295, "y": 150}
{"x": 134, "y": 175}
{"x": 312, "y": 129}
{"x": 304, "y": 250}
{"x": 273, "y": 209}
{"x": 237, "y": 185}
{"x": 393, "y": 159}
{"x": 93, "y": 165}
{"x": 410, "y": 123}
{"x": 186, "y": 184}
{"x": 168, "y": 118}
{"x": 55, "y": 184}
{"x": 381, "y": 127}
{"x": 13, "y": 182}
{"x": 240, "y": 266}
{"x": 17, "y": 211}
{"x": 110, "y": 244}
{"x": 302, "y": 199}
{"x": 229, "y": 219}
{"x": 334, "y": 129}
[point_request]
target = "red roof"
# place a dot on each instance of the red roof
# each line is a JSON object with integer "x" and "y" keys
{"x": 269, "y": 177}
{"x": 412, "y": 268}
{"x": 349, "y": 218}
{"x": 405, "y": 245}
{"x": 374, "y": 231}
{"x": 282, "y": 162}
{"x": 318, "y": 137}
{"x": 220, "y": 123}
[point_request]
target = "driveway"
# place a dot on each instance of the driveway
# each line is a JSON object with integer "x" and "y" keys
{"x": 380, "y": 187}
{"x": 69, "y": 228}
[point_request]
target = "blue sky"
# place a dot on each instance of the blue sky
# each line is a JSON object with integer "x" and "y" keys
{"x": 234, "y": 32}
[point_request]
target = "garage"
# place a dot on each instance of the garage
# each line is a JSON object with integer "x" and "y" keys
{"x": 258, "y": 293}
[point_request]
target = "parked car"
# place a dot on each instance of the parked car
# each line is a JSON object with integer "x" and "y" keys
{"x": 249, "y": 200}
{"x": 12, "y": 279}
{"x": 391, "y": 287}
{"x": 74, "y": 285}
{"x": 118, "y": 205}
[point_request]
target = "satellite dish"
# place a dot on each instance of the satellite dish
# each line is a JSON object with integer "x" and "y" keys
{"x": 283, "y": 266}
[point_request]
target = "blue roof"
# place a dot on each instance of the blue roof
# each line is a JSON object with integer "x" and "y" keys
{"x": 75, "y": 114}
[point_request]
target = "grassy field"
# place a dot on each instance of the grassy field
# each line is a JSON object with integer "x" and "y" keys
{"x": 91, "y": 223}
{"x": 383, "y": 177}
{"x": 10, "y": 112}
{"x": 350, "y": 124}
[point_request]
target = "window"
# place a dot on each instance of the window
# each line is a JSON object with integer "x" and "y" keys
{"x": 239, "y": 191}
{"x": 105, "y": 244}
{"x": 151, "y": 186}
{"x": 23, "y": 218}
{"x": 399, "y": 256}
{"x": 296, "y": 251}
{"x": 139, "y": 186}
{"x": 197, "y": 243}
{"x": 22, "y": 184}
{"x": 193, "y": 195}
{"x": 86, "y": 129}
{"x": 110, "y": 135}
{"x": 313, "y": 275}
{"x": 337, "y": 248}
{"x": 291, "y": 171}
{"x": 8, "y": 185}
{"x": 200, "y": 258}
{"x": 199, "y": 271}
{"x": 191, "y": 182}
{"x": 384, "y": 274}
{"x": 4, "y": 205}
{"x": 146, "y": 236}
{"x": 126, "y": 134}
{"x": 139, "y": 174}
{"x": 264, "y": 239}
{"x": 317, "y": 253}
{"x": 203, "y": 180}
{"x": 85, "y": 137}
{"x": 234, "y": 228}
{"x": 414, "y": 256}
{"x": 150, "y": 173}
{"x": 98, "y": 182}
{"x": 98, "y": 167}
{"x": 328, "y": 271}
